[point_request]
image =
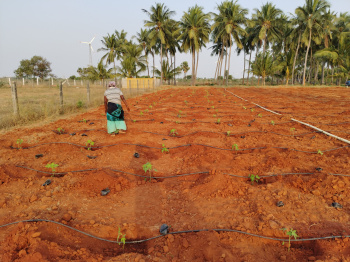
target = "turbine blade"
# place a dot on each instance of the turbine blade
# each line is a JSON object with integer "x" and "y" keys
{"x": 91, "y": 48}
{"x": 92, "y": 39}
{"x": 85, "y": 42}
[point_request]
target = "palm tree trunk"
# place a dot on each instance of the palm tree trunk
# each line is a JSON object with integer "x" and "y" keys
{"x": 229, "y": 62}
{"x": 217, "y": 68}
{"x": 197, "y": 64}
{"x": 220, "y": 62}
{"x": 161, "y": 63}
{"x": 307, "y": 51}
{"x": 316, "y": 73}
{"x": 322, "y": 81}
{"x": 174, "y": 72}
{"x": 223, "y": 80}
{"x": 250, "y": 57}
{"x": 193, "y": 65}
{"x": 332, "y": 74}
{"x": 295, "y": 59}
{"x": 153, "y": 64}
{"x": 243, "y": 67}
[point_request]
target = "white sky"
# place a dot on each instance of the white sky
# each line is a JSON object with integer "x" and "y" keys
{"x": 53, "y": 29}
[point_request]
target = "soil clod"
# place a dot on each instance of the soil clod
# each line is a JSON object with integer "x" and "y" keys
{"x": 136, "y": 155}
{"x": 319, "y": 169}
{"x": 92, "y": 157}
{"x": 92, "y": 123}
{"x": 84, "y": 135}
{"x": 72, "y": 134}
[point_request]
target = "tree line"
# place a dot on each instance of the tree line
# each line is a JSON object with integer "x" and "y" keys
{"x": 308, "y": 46}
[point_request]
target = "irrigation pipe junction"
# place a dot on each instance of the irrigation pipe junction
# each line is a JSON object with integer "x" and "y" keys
{"x": 295, "y": 120}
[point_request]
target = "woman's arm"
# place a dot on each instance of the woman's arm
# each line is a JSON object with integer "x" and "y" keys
{"x": 123, "y": 99}
{"x": 105, "y": 102}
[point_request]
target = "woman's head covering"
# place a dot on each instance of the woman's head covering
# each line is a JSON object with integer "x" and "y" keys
{"x": 111, "y": 84}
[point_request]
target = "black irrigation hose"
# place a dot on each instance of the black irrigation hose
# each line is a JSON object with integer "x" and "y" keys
{"x": 219, "y": 148}
{"x": 165, "y": 177}
{"x": 175, "y": 233}
{"x": 233, "y": 134}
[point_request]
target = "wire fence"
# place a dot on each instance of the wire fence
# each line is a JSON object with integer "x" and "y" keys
{"x": 25, "y": 101}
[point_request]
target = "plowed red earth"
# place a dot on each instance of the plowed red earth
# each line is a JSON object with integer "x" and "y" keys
{"x": 267, "y": 144}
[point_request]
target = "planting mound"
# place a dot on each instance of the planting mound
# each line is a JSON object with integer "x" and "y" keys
{"x": 230, "y": 180}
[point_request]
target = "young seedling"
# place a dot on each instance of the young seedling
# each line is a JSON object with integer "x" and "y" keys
{"x": 291, "y": 233}
{"x": 173, "y": 132}
{"x": 19, "y": 143}
{"x": 252, "y": 110}
{"x": 164, "y": 149}
{"x": 292, "y": 130}
{"x": 214, "y": 115}
{"x": 218, "y": 121}
{"x": 259, "y": 115}
{"x": 148, "y": 168}
{"x": 60, "y": 130}
{"x": 244, "y": 108}
{"x": 177, "y": 122}
{"x": 272, "y": 122}
{"x": 254, "y": 178}
{"x": 53, "y": 168}
{"x": 228, "y": 133}
{"x": 235, "y": 147}
{"x": 134, "y": 121}
{"x": 90, "y": 143}
{"x": 150, "y": 107}
{"x": 320, "y": 152}
{"x": 83, "y": 120}
{"x": 141, "y": 113}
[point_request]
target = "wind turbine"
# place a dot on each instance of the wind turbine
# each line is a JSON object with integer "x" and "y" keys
{"x": 90, "y": 49}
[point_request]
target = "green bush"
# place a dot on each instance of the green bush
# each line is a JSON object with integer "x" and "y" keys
{"x": 80, "y": 104}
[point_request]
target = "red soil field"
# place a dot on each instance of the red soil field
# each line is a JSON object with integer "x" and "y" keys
{"x": 216, "y": 141}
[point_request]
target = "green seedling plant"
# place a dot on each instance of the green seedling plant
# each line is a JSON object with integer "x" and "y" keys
{"x": 272, "y": 122}
{"x": 19, "y": 143}
{"x": 134, "y": 120}
{"x": 177, "y": 122}
{"x": 83, "y": 120}
{"x": 292, "y": 130}
{"x": 150, "y": 107}
{"x": 259, "y": 115}
{"x": 235, "y": 147}
{"x": 320, "y": 152}
{"x": 214, "y": 115}
{"x": 60, "y": 130}
{"x": 53, "y": 168}
{"x": 90, "y": 143}
{"x": 244, "y": 108}
{"x": 218, "y": 121}
{"x": 164, "y": 149}
{"x": 122, "y": 238}
{"x": 148, "y": 168}
{"x": 291, "y": 233}
{"x": 141, "y": 113}
{"x": 254, "y": 178}
{"x": 252, "y": 110}
{"x": 173, "y": 132}
{"x": 228, "y": 133}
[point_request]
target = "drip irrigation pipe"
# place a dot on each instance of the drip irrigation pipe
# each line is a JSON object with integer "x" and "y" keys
{"x": 187, "y": 145}
{"x": 174, "y": 176}
{"x": 300, "y": 122}
{"x": 174, "y": 233}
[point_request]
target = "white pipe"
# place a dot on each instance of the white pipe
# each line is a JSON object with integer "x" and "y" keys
{"x": 306, "y": 124}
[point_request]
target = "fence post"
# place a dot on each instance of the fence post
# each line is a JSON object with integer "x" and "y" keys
{"x": 88, "y": 92}
{"x": 15, "y": 99}
{"x": 37, "y": 81}
{"x": 22, "y": 81}
{"x": 61, "y": 96}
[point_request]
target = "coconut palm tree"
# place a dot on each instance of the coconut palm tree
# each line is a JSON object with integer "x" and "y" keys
{"x": 184, "y": 67}
{"x": 100, "y": 72}
{"x": 265, "y": 23}
{"x": 168, "y": 71}
{"x": 229, "y": 22}
{"x": 195, "y": 31}
{"x": 311, "y": 14}
{"x": 159, "y": 16}
{"x": 143, "y": 39}
{"x": 264, "y": 65}
{"x": 110, "y": 47}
